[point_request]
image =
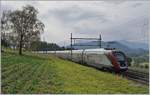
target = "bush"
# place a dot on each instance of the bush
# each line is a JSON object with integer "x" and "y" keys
{"x": 146, "y": 66}
{"x": 129, "y": 60}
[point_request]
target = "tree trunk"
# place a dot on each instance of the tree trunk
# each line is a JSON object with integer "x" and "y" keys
{"x": 20, "y": 45}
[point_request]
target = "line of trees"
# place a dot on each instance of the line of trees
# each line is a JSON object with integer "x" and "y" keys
{"x": 44, "y": 46}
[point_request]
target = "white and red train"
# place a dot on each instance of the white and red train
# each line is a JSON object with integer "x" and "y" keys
{"x": 99, "y": 58}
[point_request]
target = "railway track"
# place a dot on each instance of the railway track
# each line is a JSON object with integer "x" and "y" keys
{"x": 137, "y": 76}
{"x": 134, "y": 75}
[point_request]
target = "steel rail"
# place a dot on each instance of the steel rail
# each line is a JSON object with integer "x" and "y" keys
{"x": 138, "y": 76}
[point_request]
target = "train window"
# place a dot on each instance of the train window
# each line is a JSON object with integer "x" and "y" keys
{"x": 119, "y": 56}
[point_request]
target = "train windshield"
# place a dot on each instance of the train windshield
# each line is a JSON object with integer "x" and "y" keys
{"x": 119, "y": 56}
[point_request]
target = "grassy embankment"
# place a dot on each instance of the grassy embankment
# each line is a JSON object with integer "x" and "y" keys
{"x": 49, "y": 74}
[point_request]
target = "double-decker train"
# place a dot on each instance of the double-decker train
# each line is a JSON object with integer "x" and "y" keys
{"x": 100, "y": 58}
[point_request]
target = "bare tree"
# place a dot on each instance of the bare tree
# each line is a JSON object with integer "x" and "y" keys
{"x": 4, "y": 27}
{"x": 25, "y": 24}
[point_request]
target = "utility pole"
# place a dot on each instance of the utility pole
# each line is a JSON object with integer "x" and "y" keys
{"x": 100, "y": 41}
{"x": 71, "y": 46}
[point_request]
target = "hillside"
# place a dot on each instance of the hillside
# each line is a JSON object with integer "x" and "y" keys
{"x": 49, "y": 74}
{"x": 135, "y": 45}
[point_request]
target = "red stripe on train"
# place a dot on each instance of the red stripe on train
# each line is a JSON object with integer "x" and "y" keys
{"x": 113, "y": 61}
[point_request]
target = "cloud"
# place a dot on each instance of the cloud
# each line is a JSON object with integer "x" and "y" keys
{"x": 75, "y": 14}
{"x": 136, "y": 5}
{"x": 115, "y": 20}
{"x": 133, "y": 30}
{"x": 116, "y": 1}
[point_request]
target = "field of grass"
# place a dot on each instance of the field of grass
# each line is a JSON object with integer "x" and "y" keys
{"x": 49, "y": 74}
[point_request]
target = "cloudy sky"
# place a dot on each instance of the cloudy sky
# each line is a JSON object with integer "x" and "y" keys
{"x": 114, "y": 20}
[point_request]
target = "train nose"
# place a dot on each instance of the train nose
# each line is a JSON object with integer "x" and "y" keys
{"x": 122, "y": 64}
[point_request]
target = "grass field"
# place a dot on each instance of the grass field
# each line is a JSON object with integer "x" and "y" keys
{"x": 49, "y": 74}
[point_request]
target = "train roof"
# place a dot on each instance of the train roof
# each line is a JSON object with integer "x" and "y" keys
{"x": 96, "y": 51}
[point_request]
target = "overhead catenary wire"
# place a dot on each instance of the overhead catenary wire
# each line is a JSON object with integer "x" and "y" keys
{"x": 73, "y": 39}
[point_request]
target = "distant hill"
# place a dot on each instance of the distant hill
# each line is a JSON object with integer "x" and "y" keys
{"x": 135, "y": 45}
{"x": 130, "y": 48}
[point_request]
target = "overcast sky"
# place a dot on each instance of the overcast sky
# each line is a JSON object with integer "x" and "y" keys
{"x": 114, "y": 20}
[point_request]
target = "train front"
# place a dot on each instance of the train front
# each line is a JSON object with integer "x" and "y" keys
{"x": 121, "y": 61}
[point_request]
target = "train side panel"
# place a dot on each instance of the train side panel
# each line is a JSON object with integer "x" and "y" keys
{"x": 77, "y": 57}
{"x": 61, "y": 55}
{"x": 97, "y": 60}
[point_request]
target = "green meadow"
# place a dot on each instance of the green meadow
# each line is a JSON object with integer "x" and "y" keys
{"x": 34, "y": 73}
